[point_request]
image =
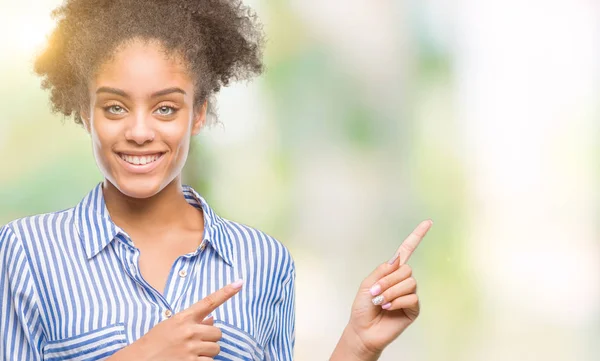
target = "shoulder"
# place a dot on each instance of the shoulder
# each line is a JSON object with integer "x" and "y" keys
{"x": 32, "y": 229}
{"x": 259, "y": 250}
{"x": 252, "y": 240}
{"x": 11, "y": 247}
{"x": 7, "y": 237}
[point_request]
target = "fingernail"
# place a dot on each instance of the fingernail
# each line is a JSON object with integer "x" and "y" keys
{"x": 377, "y": 300}
{"x": 386, "y": 306}
{"x": 393, "y": 259}
{"x": 237, "y": 284}
{"x": 375, "y": 290}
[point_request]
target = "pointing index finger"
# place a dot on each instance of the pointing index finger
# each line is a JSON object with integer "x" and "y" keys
{"x": 411, "y": 242}
{"x": 208, "y": 304}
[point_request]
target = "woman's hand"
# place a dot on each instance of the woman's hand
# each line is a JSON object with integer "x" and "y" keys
{"x": 187, "y": 335}
{"x": 385, "y": 306}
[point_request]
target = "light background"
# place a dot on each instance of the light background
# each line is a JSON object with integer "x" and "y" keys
{"x": 372, "y": 116}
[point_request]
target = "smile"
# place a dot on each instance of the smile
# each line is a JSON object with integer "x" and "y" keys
{"x": 140, "y": 160}
{"x": 140, "y": 164}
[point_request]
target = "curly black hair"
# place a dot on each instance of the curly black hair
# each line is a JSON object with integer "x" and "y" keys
{"x": 220, "y": 41}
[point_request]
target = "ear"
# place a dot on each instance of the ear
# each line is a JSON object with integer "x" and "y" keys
{"x": 199, "y": 119}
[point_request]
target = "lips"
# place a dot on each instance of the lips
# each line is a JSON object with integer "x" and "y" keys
{"x": 140, "y": 163}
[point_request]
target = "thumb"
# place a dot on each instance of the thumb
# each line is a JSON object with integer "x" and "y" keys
{"x": 381, "y": 271}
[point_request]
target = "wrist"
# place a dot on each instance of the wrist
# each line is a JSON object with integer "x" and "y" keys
{"x": 351, "y": 348}
{"x": 133, "y": 351}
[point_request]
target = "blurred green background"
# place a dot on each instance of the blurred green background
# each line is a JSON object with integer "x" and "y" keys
{"x": 373, "y": 116}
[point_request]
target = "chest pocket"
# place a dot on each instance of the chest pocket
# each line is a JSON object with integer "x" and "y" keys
{"x": 237, "y": 345}
{"x": 94, "y": 345}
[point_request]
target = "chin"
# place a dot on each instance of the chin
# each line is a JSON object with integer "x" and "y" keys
{"x": 141, "y": 188}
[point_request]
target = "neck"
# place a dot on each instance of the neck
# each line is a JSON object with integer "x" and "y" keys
{"x": 164, "y": 209}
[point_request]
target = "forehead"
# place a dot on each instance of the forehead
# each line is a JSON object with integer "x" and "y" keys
{"x": 142, "y": 67}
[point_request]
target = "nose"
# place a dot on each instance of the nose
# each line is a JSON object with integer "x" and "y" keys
{"x": 140, "y": 130}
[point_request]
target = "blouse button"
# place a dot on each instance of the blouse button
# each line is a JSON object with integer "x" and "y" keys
{"x": 203, "y": 246}
{"x": 167, "y": 313}
{"x": 182, "y": 273}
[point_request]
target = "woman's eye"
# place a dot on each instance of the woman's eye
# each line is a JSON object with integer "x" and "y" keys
{"x": 115, "y": 109}
{"x": 166, "y": 111}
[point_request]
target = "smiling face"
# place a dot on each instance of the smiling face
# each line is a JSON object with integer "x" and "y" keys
{"x": 141, "y": 119}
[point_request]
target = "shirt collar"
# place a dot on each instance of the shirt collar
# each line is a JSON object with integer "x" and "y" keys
{"x": 96, "y": 229}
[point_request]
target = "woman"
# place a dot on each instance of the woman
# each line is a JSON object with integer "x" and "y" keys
{"x": 142, "y": 268}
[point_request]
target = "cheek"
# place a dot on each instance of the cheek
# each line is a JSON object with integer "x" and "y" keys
{"x": 104, "y": 136}
{"x": 177, "y": 136}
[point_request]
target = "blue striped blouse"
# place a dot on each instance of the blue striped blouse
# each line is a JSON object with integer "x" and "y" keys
{"x": 71, "y": 288}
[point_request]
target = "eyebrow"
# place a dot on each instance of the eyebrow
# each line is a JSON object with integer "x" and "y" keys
{"x": 122, "y": 93}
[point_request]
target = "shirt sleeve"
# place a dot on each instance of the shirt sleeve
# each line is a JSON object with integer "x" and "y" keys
{"x": 21, "y": 336}
{"x": 281, "y": 346}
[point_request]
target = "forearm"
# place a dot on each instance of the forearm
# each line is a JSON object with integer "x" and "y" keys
{"x": 349, "y": 349}
{"x": 131, "y": 352}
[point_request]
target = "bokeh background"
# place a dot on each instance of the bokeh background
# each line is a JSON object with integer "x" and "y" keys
{"x": 372, "y": 116}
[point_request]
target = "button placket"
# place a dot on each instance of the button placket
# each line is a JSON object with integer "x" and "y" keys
{"x": 187, "y": 271}
{"x": 129, "y": 256}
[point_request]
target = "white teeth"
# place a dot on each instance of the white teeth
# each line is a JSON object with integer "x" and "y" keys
{"x": 139, "y": 160}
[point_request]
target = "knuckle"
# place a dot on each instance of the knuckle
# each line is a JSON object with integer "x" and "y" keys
{"x": 407, "y": 246}
{"x": 183, "y": 319}
{"x": 384, "y": 283}
{"x": 210, "y": 301}
{"x": 188, "y": 331}
{"x": 178, "y": 318}
{"x": 189, "y": 348}
{"x": 406, "y": 269}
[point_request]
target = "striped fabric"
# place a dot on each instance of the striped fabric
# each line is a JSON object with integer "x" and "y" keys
{"x": 71, "y": 289}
